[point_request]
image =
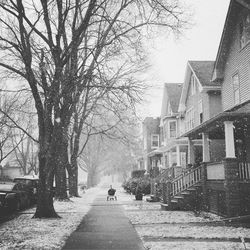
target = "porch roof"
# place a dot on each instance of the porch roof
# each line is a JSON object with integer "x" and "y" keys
{"x": 214, "y": 125}
{"x": 155, "y": 152}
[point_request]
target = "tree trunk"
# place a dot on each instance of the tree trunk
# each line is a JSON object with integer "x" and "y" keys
{"x": 73, "y": 178}
{"x": 45, "y": 207}
{"x": 61, "y": 157}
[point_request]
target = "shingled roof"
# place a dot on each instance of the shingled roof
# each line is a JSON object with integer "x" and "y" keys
{"x": 203, "y": 70}
{"x": 174, "y": 94}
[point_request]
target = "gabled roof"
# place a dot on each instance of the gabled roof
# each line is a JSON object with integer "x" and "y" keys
{"x": 202, "y": 70}
{"x": 232, "y": 13}
{"x": 172, "y": 93}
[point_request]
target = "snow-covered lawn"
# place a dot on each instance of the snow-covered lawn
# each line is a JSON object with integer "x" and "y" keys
{"x": 158, "y": 229}
{"x": 186, "y": 245}
{"x": 154, "y": 216}
{"x": 24, "y": 232}
{"x": 175, "y": 230}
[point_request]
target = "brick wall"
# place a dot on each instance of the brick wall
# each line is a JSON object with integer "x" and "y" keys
{"x": 216, "y": 197}
{"x": 245, "y": 198}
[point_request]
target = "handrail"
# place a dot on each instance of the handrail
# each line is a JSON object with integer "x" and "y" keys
{"x": 244, "y": 170}
{"x": 186, "y": 180}
{"x": 165, "y": 174}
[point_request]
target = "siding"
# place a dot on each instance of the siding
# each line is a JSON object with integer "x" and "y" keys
{"x": 211, "y": 104}
{"x": 238, "y": 61}
{"x": 192, "y": 102}
{"x": 215, "y": 106}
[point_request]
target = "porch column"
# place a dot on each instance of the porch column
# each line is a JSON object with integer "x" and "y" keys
{"x": 178, "y": 155}
{"x": 190, "y": 152}
{"x": 229, "y": 139}
{"x": 170, "y": 158}
{"x": 205, "y": 148}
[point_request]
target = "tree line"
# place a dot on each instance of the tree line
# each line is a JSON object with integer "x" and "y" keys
{"x": 80, "y": 61}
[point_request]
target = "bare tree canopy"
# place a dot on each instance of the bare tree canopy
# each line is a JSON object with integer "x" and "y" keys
{"x": 68, "y": 50}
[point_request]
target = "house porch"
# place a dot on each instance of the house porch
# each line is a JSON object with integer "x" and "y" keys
{"x": 226, "y": 162}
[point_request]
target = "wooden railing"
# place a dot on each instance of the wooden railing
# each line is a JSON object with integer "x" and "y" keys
{"x": 165, "y": 174}
{"x": 186, "y": 180}
{"x": 244, "y": 170}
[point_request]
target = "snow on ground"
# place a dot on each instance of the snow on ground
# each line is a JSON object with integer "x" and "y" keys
{"x": 192, "y": 231}
{"x": 185, "y": 245}
{"x": 24, "y": 232}
{"x": 177, "y": 230}
{"x": 152, "y": 216}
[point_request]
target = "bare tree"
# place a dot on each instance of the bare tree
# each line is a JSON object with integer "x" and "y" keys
{"x": 11, "y": 123}
{"x": 58, "y": 47}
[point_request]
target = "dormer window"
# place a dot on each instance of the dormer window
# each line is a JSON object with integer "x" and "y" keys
{"x": 244, "y": 28}
{"x": 193, "y": 85}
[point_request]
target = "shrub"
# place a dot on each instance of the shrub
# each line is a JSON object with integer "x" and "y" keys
{"x": 134, "y": 185}
{"x": 138, "y": 173}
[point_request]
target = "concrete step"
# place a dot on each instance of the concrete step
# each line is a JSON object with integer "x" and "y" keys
{"x": 185, "y": 193}
{"x": 174, "y": 201}
{"x": 178, "y": 197}
{"x": 165, "y": 207}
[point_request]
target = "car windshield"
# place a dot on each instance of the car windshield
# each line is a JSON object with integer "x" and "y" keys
{"x": 6, "y": 186}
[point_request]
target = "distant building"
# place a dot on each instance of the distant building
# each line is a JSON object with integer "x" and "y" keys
{"x": 151, "y": 142}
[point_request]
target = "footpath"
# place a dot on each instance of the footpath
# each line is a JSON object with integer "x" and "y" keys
{"x": 105, "y": 227}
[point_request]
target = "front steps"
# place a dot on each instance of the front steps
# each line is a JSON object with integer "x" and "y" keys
{"x": 189, "y": 199}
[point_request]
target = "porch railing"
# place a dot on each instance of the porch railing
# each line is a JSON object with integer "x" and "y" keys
{"x": 186, "y": 180}
{"x": 165, "y": 174}
{"x": 244, "y": 170}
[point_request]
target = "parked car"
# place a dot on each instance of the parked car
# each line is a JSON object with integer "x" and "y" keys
{"x": 31, "y": 183}
{"x": 13, "y": 196}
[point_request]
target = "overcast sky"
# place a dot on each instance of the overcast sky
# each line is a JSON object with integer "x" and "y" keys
{"x": 169, "y": 57}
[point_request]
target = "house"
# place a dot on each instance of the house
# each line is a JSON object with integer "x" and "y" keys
{"x": 200, "y": 101}
{"x": 151, "y": 142}
{"x": 174, "y": 149}
{"x": 218, "y": 113}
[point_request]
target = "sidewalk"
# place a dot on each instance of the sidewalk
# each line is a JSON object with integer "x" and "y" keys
{"x": 105, "y": 227}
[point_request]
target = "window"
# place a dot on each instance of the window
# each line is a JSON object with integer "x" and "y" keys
{"x": 236, "y": 89}
{"x": 244, "y": 28}
{"x": 200, "y": 111}
{"x": 145, "y": 140}
{"x": 189, "y": 122}
{"x": 165, "y": 134}
{"x": 172, "y": 129}
{"x": 169, "y": 110}
{"x": 193, "y": 85}
{"x": 155, "y": 141}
